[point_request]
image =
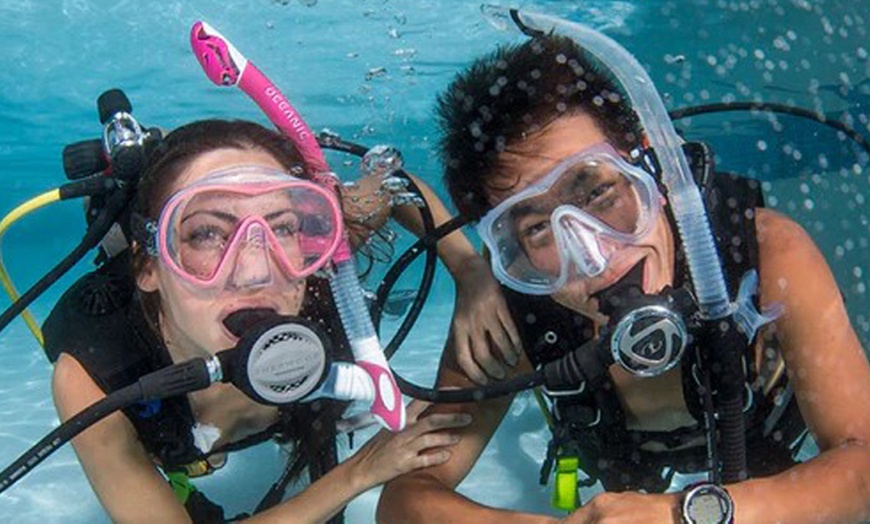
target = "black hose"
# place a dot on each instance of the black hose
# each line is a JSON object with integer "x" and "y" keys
{"x": 477, "y": 394}
{"x": 770, "y": 107}
{"x": 392, "y": 276}
{"x": 176, "y": 379}
{"x": 719, "y": 338}
{"x": 732, "y": 439}
{"x": 66, "y": 431}
{"x": 427, "y": 244}
{"x": 115, "y": 206}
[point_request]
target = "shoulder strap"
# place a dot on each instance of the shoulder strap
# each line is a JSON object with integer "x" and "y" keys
{"x": 99, "y": 321}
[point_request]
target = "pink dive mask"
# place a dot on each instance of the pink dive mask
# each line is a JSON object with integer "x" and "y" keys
{"x": 233, "y": 227}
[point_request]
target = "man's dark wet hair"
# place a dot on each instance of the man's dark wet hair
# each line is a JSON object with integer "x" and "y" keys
{"x": 512, "y": 93}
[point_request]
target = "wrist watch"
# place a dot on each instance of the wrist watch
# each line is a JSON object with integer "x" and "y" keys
{"x": 707, "y": 503}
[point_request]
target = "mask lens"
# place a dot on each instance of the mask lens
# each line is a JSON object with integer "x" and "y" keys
{"x": 210, "y": 228}
{"x": 609, "y": 200}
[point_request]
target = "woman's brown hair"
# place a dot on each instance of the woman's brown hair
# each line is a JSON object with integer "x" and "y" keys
{"x": 309, "y": 426}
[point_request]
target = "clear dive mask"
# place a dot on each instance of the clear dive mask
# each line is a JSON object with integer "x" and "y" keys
{"x": 573, "y": 219}
{"x": 231, "y": 228}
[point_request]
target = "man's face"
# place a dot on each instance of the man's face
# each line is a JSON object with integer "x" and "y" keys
{"x": 528, "y": 162}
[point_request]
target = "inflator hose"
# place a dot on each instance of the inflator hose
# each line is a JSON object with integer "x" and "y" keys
{"x": 727, "y": 380}
{"x": 115, "y": 206}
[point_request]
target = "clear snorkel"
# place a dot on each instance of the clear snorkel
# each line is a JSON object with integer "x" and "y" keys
{"x": 226, "y": 66}
{"x": 705, "y": 270}
{"x": 683, "y": 193}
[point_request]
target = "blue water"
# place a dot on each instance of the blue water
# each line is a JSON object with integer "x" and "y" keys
{"x": 369, "y": 70}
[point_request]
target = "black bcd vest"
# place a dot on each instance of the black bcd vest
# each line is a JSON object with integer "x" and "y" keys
{"x": 99, "y": 320}
{"x": 592, "y": 426}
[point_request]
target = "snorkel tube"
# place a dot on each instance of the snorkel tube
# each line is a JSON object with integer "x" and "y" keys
{"x": 226, "y": 66}
{"x": 720, "y": 317}
{"x": 683, "y": 194}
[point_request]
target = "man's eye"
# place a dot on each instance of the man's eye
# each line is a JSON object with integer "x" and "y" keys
{"x": 536, "y": 231}
{"x": 599, "y": 193}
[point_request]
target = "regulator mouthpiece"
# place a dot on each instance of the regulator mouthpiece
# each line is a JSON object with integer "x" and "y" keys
{"x": 245, "y": 319}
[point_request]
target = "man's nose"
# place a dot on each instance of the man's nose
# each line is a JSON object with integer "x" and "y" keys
{"x": 580, "y": 242}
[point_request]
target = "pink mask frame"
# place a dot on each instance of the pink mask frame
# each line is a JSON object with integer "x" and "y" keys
{"x": 220, "y": 182}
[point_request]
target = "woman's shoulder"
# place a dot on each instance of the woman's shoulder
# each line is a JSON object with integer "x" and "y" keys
{"x": 72, "y": 386}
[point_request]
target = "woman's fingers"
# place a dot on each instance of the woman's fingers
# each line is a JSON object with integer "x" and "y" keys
{"x": 434, "y": 436}
{"x": 430, "y": 459}
{"x": 414, "y": 409}
{"x": 483, "y": 354}
{"x": 465, "y": 358}
{"x": 507, "y": 323}
{"x": 438, "y": 421}
{"x": 439, "y": 439}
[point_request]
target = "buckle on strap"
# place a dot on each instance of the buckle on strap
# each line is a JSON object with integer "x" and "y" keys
{"x": 566, "y": 495}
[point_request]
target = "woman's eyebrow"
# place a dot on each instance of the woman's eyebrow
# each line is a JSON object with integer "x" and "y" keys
{"x": 220, "y": 215}
{"x": 230, "y": 218}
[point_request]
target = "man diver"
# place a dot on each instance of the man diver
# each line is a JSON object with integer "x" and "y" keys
{"x": 542, "y": 146}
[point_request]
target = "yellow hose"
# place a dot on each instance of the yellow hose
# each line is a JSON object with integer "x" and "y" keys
{"x": 31, "y": 205}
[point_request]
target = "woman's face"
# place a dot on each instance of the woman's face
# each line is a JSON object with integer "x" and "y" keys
{"x": 535, "y": 157}
{"x": 192, "y": 322}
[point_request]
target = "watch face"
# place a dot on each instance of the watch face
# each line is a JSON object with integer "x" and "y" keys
{"x": 707, "y": 508}
{"x": 708, "y": 505}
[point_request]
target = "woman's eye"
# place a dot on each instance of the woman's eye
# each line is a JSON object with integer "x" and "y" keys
{"x": 285, "y": 229}
{"x": 206, "y": 237}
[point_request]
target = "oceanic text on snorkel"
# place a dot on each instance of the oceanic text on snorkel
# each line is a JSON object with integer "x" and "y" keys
{"x": 286, "y": 109}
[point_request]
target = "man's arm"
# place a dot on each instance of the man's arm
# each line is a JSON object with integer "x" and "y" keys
{"x": 428, "y": 495}
{"x": 831, "y": 380}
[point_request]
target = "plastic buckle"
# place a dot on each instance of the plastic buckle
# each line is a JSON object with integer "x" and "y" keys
{"x": 566, "y": 496}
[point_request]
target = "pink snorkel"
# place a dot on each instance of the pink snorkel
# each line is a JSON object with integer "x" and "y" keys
{"x": 226, "y": 66}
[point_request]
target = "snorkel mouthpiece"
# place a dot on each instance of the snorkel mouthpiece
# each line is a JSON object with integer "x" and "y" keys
{"x": 221, "y": 61}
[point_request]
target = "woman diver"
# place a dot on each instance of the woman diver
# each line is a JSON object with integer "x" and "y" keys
{"x": 227, "y": 221}
{"x": 543, "y": 147}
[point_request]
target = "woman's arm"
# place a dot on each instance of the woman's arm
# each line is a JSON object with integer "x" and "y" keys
{"x": 428, "y": 495}
{"x": 120, "y": 471}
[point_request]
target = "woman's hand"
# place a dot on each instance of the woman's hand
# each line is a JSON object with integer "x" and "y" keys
{"x": 482, "y": 323}
{"x": 366, "y": 208}
{"x": 421, "y": 444}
